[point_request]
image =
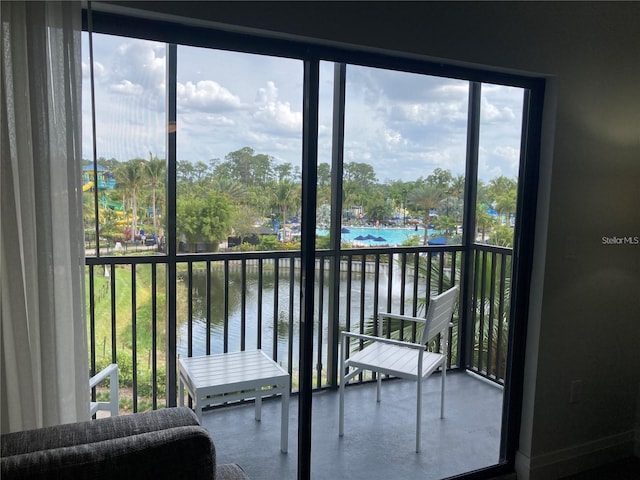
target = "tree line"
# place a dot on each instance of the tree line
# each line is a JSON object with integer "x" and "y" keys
{"x": 246, "y": 190}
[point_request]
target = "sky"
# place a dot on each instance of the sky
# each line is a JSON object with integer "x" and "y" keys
{"x": 404, "y": 125}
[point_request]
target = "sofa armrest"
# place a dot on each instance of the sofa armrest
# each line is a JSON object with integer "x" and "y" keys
{"x": 74, "y": 434}
{"x": 178, "y": 453}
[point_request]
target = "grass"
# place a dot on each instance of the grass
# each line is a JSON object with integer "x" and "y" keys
{"x": 123, "y": 283}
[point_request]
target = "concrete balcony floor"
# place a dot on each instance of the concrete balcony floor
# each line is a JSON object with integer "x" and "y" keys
{"x": 379, "y": 440}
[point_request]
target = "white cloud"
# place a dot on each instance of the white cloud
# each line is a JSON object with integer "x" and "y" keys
{"x": 99, "y": 72}
{"x": 511, "y": 155}
{"x": 356, "y": 152}
{"x": 272, "y": 111}
{"x": 429, "y": 113}
{"x": 458, "y": 91}
{"x": 203, "y": 121}
{"x": 142, "y": 60}
{"x": 127, "y": 88}
{"x": 402, "y": 124}
{"x": 393, "y": 138}
{"x": 494, "y": 112}
{"x": 205, "y": 95}
{"x": 506, "y": 152}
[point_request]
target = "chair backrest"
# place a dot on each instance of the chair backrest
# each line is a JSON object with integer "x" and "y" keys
{"x": 439, "y": 313}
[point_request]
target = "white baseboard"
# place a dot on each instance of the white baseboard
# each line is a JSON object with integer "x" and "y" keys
{"x": 572, "y": 460}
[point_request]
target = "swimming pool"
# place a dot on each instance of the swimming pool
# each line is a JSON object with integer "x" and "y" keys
{"x": 373, "y": 237}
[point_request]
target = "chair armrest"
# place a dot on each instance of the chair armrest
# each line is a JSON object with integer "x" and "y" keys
{"x": 396, "y": 316}
{"x": 102, "y": 374}
{"x": 391, "y": 341}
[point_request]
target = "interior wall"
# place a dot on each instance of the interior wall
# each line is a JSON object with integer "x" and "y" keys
{"x": 584, "y": 322}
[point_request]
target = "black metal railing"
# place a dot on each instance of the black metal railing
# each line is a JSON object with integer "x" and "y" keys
{"x": 491, "y": 298}
{"x": 228, "y": 301}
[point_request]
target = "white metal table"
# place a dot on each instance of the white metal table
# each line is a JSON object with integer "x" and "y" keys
{"x": 226, "y": 377}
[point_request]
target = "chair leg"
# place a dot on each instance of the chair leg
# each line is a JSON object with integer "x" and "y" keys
{"x": 341, "y": 387}
{"x": 419, "y": 415}
{"x": 113, "y": 396}
{"x": 341, "y": 414}
{"x": 444, "y": 378}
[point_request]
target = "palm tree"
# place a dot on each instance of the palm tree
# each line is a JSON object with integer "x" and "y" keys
{"x": 232, "y": 189}
{"x": 505, "y": 204}
{"x": 483, "y": 220}
{"x": 130, "y": 177}
{"x": 154, "y": 172}
{"x": 490, "y": 343}
{"x": 284, "y": 197}
{"x": 425, "y": 197}
{"x": 502, "y": 185}
{"x": 457, "y": 186}
{"x": 446, "y": 224}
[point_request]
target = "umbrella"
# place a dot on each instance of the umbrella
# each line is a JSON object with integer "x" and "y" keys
{"x": 379, "y": 239}
{"x": 345, "y": 230}
{"x": 369, "y": 237}
{"x": 360, "y": 238}
{"x": 437, "y": 241}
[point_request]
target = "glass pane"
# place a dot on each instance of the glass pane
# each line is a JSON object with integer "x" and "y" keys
{"x": 404, "y": 158}
{"x": 325, "y": 143}
{"x": 498, "y": 163}
{"x": 129, "y": 79}
{"x": 239, "y": 150}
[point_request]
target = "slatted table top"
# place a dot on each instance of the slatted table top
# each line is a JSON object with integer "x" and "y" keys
{"x": 231, "y": 370}
{"x": 236, "y": 376}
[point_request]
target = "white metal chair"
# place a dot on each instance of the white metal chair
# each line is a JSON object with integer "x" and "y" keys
{"x": 403, "y": 359}
{"x": 111, "y": 372}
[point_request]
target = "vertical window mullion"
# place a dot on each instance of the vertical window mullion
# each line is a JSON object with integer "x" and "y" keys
{"x": 465, "y": 345}
{"x": 337, "y": 158}
{"x": 96, "y": 206}
{"x": 171, "y": 243}
{"x": 307, "y": 277}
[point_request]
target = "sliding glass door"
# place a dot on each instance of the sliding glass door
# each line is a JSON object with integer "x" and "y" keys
{"x": 244, "y": 194}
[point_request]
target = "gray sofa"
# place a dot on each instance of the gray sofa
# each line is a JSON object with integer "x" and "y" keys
{"x": 168, "y": 443}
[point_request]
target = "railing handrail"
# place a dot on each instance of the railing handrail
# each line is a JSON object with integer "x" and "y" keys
{"x": 268, "y": 254}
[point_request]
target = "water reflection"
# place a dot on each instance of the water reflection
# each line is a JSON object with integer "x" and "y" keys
{"x": 287, "y": 314}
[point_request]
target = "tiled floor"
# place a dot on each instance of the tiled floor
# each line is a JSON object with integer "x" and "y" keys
{"x": 379, "y": 440}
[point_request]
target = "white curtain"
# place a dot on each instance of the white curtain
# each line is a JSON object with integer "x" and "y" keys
{"x": 43, "y": 363}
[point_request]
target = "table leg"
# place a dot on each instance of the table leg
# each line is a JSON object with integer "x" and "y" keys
{"x": 181, "y": 392}
{"x": 197, "y": 404}
{"x": 258, "y": 403}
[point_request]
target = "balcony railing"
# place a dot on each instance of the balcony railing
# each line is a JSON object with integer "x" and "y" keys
{"x": 244, "y": 300}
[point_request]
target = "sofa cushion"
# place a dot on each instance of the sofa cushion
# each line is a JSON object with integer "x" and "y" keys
{"x": 73, "y": 434}
{"x": 168, "y": 443}
{"x": 177, "y": 453}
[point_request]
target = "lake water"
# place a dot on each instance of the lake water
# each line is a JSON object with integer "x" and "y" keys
{"x": 271, "y": 321}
